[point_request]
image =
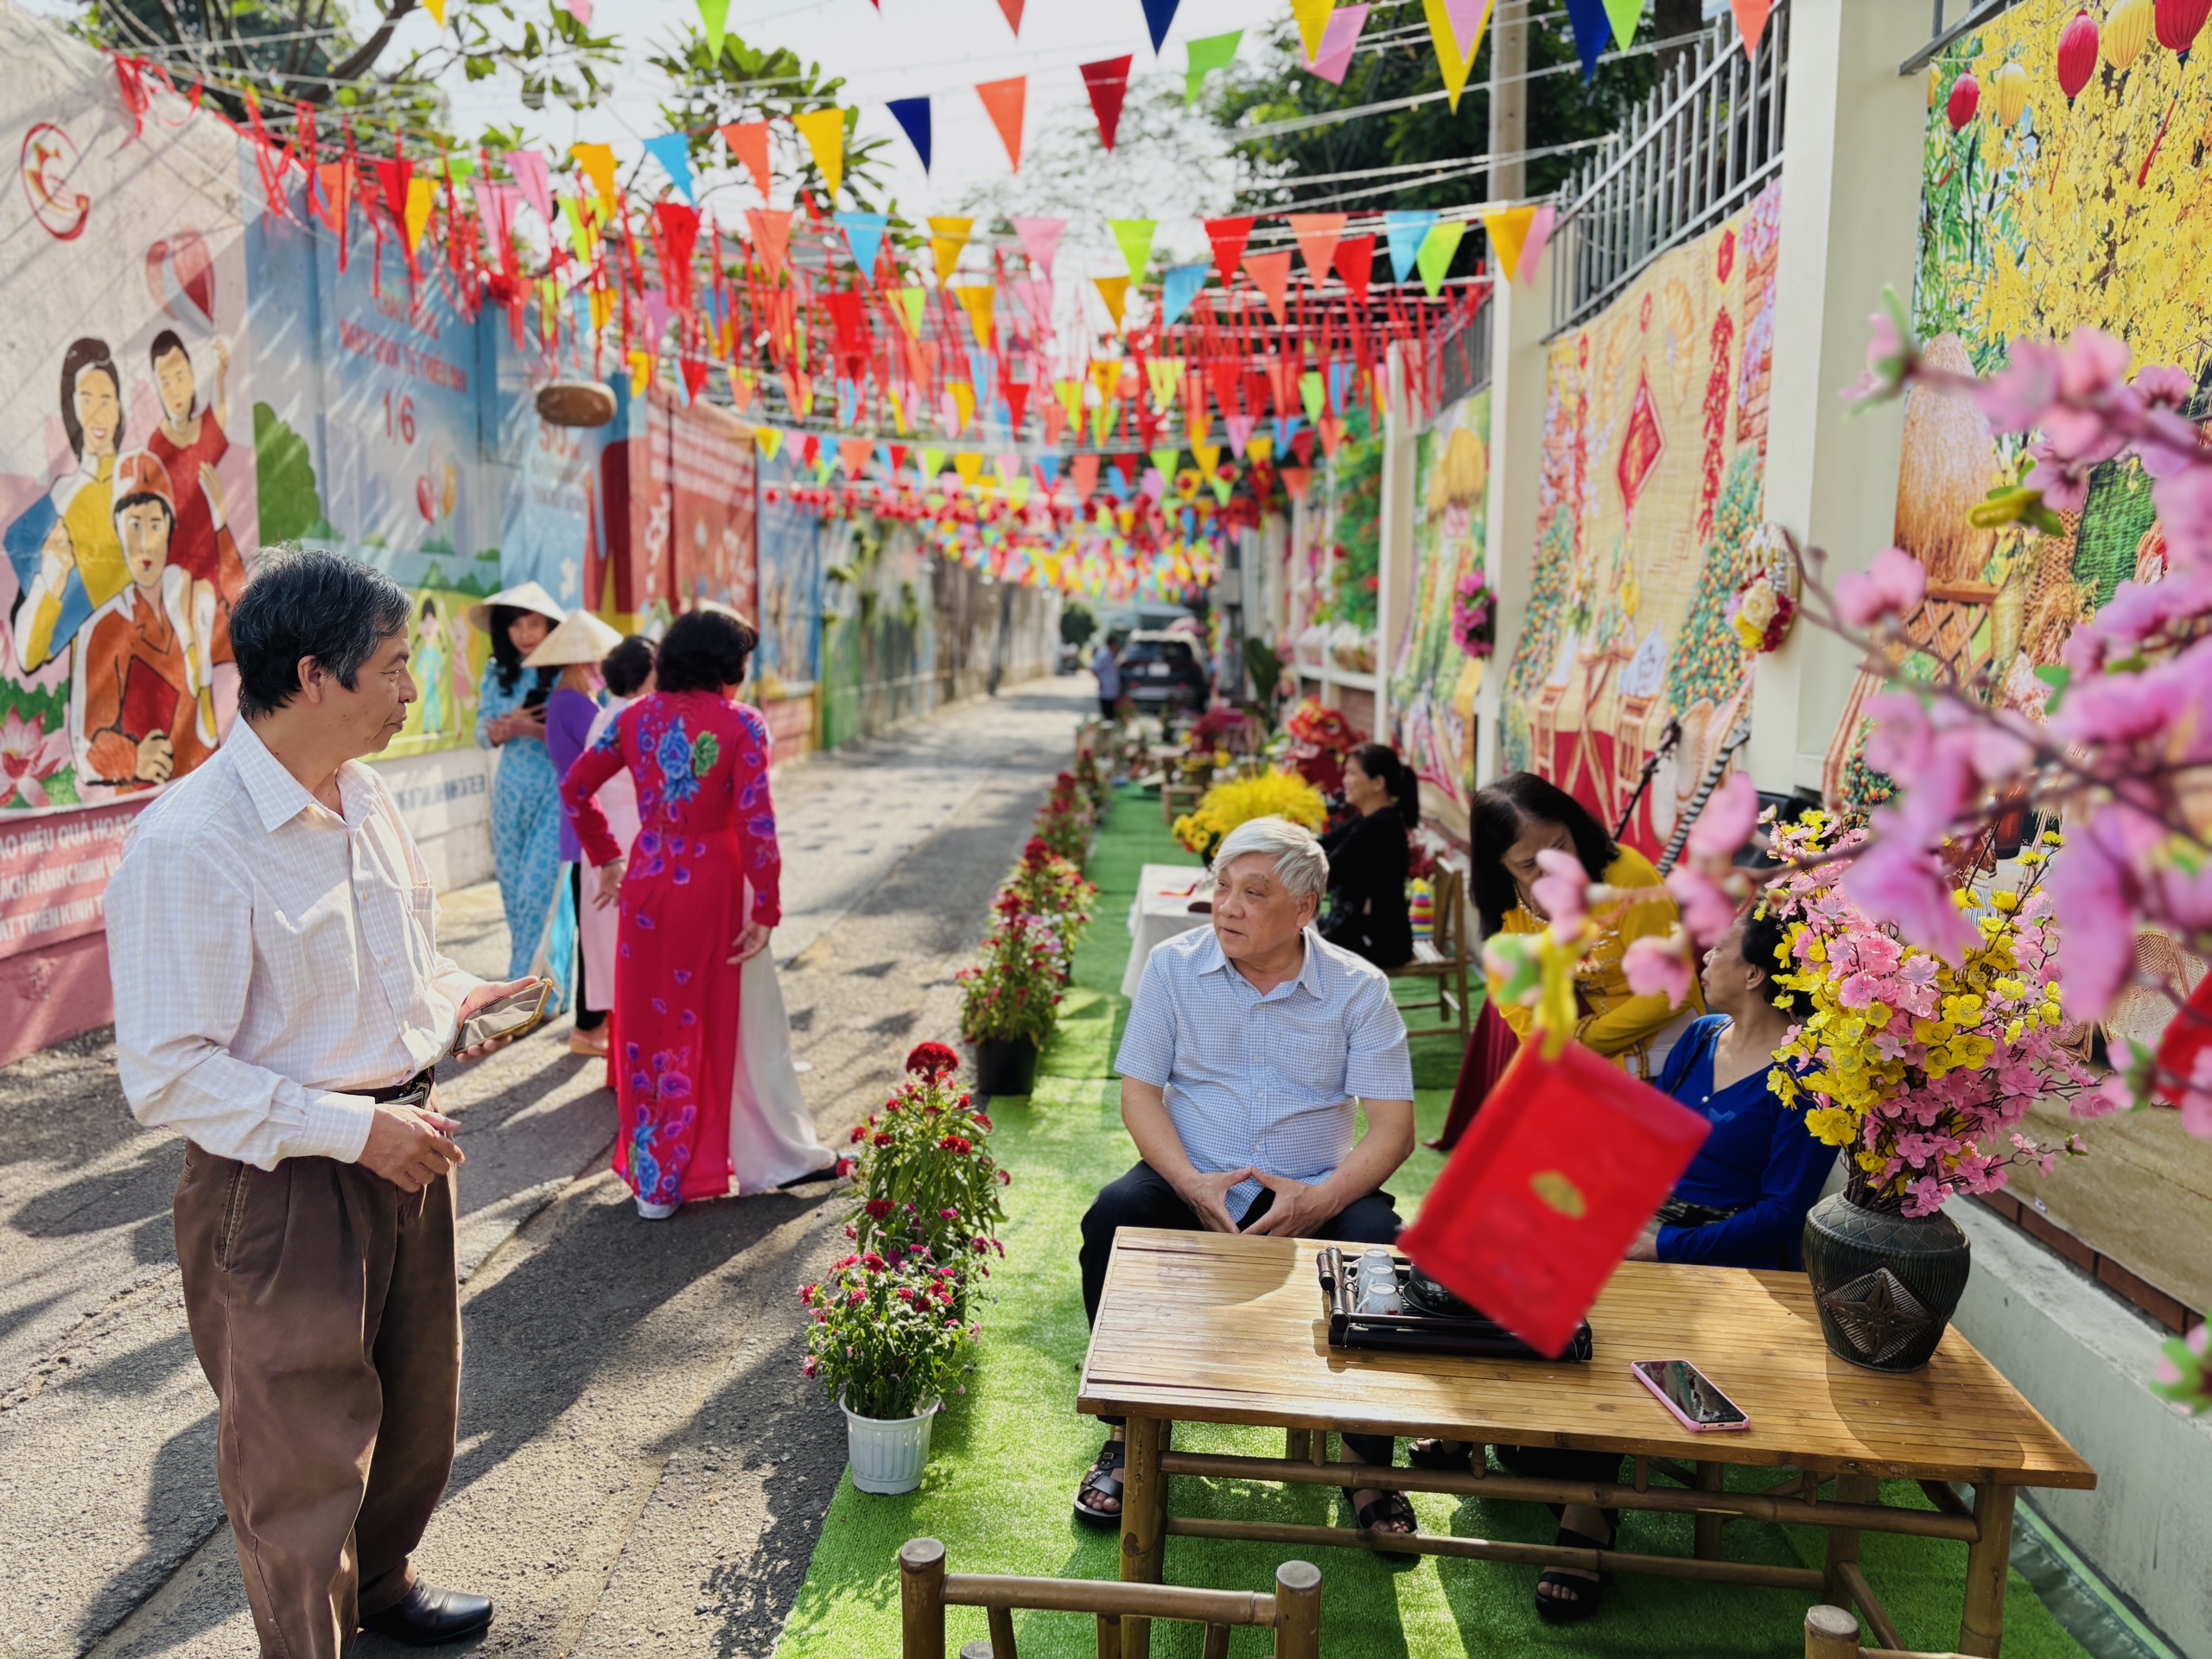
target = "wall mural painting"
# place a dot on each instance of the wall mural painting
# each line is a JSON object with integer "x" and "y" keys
{"x": 1649, "y": 507}
{"x": 2040, "y": 215}
{"x": 1433, "y": 683}
{"x": 127, "y": 488}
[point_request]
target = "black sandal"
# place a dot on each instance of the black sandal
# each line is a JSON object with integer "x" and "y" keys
{"x": 1104, "y": 1479}
{"x": 1391, "y": 1506}
{"x": 1581, "y": 1597}
{"x": 1435, "y": 1456}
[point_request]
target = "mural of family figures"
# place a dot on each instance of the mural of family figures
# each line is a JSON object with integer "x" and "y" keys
{"x": 1433, "y": 681}
{"x": 2073, "y": 213}
{"x": 1647, "y": 524}
{"x": 443, "y": 670}
{"x": 125, "y": 570}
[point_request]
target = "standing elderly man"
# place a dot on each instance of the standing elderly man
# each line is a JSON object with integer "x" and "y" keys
{"x": 1246, "y": 1048}
{"x": 281, "y": 1001}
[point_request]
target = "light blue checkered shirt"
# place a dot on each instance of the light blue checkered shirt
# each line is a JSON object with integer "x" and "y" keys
{"x": 1267, "y": 1081}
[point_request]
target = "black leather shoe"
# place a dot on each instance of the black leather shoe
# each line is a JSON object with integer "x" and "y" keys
{"x": 431, "y": 1618}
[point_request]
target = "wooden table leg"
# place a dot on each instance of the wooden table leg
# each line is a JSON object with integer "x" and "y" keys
{"x": 1843, "y": 1542}
{"x": 1710, "y": 1478}
{"x": 1297, "y": 1445}
{"x": 1144, "y": 1523}
{"x": 1989, "y": 1560}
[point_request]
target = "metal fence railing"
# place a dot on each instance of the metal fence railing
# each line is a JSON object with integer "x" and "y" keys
{"x": 1703, "y": 143}
{"x": 1462, "y": 356}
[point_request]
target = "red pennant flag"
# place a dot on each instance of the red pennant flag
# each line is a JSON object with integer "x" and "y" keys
{"x": 1356, "y": 263}
{"x": 1083, "y": 472}
{"x": 1301, "y": 444}
{"x": 1295, "y": 478}
{"x": 748, "y": 142}
{"x": 1272, "y": 272}
{"x": 1108, "y": 83}
{"x": 1017, "y": 401}
{"x": 1013, "y": 9}
{"x": 677, "y": 227}
{"x": 810, "y": 451}
{"x": 1055, "y": 418}
{"x": 695, "y": 374}
{"x": 1004, "y": 101}
{"x": 1229, "y": 237}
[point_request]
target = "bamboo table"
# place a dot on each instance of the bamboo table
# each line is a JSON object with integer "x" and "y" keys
{"x": 1218, "y": 1328}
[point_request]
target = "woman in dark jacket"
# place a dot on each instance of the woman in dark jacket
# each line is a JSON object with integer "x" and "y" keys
{"x": 1369, "y": 855}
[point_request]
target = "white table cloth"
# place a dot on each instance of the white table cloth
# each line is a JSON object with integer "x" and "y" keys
{"x": 1161, "y": 910}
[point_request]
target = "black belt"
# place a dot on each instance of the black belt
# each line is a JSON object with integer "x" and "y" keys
{"x": 414, "y": 1092}
{"x": 1680, "y": 1213}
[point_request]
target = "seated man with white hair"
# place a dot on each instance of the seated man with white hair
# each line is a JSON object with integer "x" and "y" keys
{"x": 1251, "y": 1048}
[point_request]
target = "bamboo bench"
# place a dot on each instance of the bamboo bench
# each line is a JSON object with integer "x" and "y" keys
{"x": 925, "y": 1590}
{"x": 1833, "y": 1633}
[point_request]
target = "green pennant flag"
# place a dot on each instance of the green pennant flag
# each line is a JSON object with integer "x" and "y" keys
{"x": 1215, "y": 51}
{"x": 1135, "y": 236}
{"x": 910, "y": 307}
{"x": 1436, "y": 250}
{"x": 932, "y": 464}
{"x": 1165, "y": 460}
{"x": 1625, "y": 15}
{"x": 1101, "y": 423}
{"x": 1313, "y": 394}
{"x": 714, "y": 14}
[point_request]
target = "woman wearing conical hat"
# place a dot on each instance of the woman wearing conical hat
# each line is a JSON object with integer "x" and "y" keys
{"x": 525, "y": 790}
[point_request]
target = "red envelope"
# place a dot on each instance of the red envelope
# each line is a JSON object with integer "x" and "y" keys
{"x": 1563, "y": 1166}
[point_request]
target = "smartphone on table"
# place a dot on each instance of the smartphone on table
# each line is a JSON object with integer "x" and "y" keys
{"x": 513, "y": 1016}
{"x": 1690, "y": 1395}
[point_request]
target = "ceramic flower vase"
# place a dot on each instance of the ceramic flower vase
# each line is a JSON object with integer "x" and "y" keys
{"x": 888, "y": 1455}
{"x": 1885, "y": 1284}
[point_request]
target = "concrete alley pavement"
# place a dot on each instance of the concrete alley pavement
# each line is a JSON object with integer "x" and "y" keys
{"x": 640, "y": 1462}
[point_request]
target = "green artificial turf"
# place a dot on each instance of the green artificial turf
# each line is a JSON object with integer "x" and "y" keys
{"x": 1006, "y": 1457}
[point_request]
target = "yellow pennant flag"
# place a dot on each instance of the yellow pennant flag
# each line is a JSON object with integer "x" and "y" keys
{"x": 1508, "y": 233}
{"x": 598, "y": 163}
{"x": 947, "y": 238}
{"x": 963, "y": 404}
{"x": 898, "y": 408}
{"x": 1101, "y": 423}
{"x": 1208, "y": 455}
{"x": 1106, "y": 374}
{"x": 1259, "y": 446}
{"x": 641, "y": 372}
{"x": 1201, "y": 425}
{"x": 979, "y": 301}
{"x": 422, "y": 197}
{"x": 1313, "y": 17}
{"x": 1453, "y": 57}
{"x": 824, "y": 132}
{"x": 602, "y": 307}
{"x": 437, "y": 10}
{"x": 1115, "y": 290}
{"x": 1070, "y": 393}
{"x": 969, "y": 464}
{"x": 768, "y": 439}
{"x": 1166, "y": 374}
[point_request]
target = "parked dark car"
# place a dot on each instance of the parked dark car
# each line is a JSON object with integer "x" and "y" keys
{"x": 1161, "y": 671}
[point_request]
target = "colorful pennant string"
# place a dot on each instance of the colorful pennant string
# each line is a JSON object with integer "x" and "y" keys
{"x": 913, "y": 115}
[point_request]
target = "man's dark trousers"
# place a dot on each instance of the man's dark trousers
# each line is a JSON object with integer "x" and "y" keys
{"x": 1144, "y": 1199}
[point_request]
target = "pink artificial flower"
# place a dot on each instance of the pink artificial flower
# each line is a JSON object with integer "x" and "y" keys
{"x": 2163, "y": 386}
{"x": 2018, "y": 395}
{"x": 1725, "y": 825}
{"x": 1893, "y": 585}
{"x": 1708, "y": 911}
{"x": 1657, "y": 966}
{"x": 1562, "y": 890}
{"x": 2093, "y": 890}
{"x": 1895, "y": 881}
{"x": 29, "y": 755}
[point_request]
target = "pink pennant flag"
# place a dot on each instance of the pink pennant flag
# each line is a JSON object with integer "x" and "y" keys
{"x": 496, "y": 204}
{"x": 1240, "y": 430}
{"x": 659, "y": 314}
{"x": 1532, "y": 244}
{"x": 579, "y": 9}
{"x": 1334, "y": 58}
{"x": 531, "y": 173}
{"x": 1041, "y": 240}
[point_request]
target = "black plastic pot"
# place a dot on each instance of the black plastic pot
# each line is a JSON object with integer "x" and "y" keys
{"x": 1885, "y": 1284}
{"x": 1005, "y": 1065}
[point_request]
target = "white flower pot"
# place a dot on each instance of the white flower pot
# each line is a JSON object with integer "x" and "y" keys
{"x": 888, "y": 1455}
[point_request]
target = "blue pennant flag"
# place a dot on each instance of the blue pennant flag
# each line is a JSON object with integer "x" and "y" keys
{"x": 1592, "y": 29}
{"x": 864, "y": 235}
{"x": 883, "y": 461}
{"x": 849, "y": 401}
{"x": 1179, "y": 287}
{"x": 1190, "y": 521}
{"x": 1120, "y": 486}
{"x": 983, "y": 373}
{"x": 913, "y": 115}
{"x": 1158, "y": 14}
{"x": 1339, "y": 383}
{"x": 1406, "y": 229}
{"x": 1286, "y": 428}
{"x": 1048, "y": 468}
{"x": 673, "y": 151}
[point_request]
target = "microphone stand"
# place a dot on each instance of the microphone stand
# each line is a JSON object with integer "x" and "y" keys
{"x": 1670, "y": 735}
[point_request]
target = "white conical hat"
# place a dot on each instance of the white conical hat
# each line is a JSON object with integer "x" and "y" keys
{"x": 582, "y": 637}
{"x": 523, "y": 596}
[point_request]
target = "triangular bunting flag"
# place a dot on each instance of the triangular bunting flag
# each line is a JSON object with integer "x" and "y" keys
{"x": 864, "y": 236}
{"x": 1004, "y": 101}
{"x": 1158, "y": 14}
{"x": 1166, "y": 374}
{"x": 1208, "y": 455}
{"x": 979, "y": 301}
{"x": 1115, "y": 290}
{"x": 714, "y": 16}
{"x": 1507, "y": 229}
{"x": 932, "y": 465}
{"x": 1592, "y": 27}
{"x": 1108, "y": 83}
{"x": 1355, "y": 264}
{"x": 824, "y": 132}
{"x": 768, "y": 439}
{"x": 771, "y": 235}
{"x": 748, "y": 142}
{"x": 906, "y": 303}
{"x": 963, "y": 403}
{"x": 532, "y": 175}
{"x": 1751, "y": 22}
{"x": 913, "y": 115}
{"x": 1318, "y": 235}
{"x": 1134, "y": 238}
{"x": 1048, "y": 471}
{"x": 1163, "y": 463}
{"x": 1070, "y": 394}
{"x": 1041, "y": 240}
{"x": 1532, "y": 249}
{"x": 1405, "y": 228}
{"x": 970, "y": 466}
{"x": 1271, "y": 271}
{"x": 1455, "y": 51}
{"x": 947, "y": 237}
{"x": 1228, "y": 237}
{"x": 1012, "y": 10}
{"x": 1313, "y": 17}
{"x": 1215, "y": 51}
{"x": 422, "y": 197}
{"x": 853, "y": 453}
{"x": 1177, "y": 289}
{"x": 1294, "y": 481}
{"x": 1313, "y": 394}
{"x": 1625, "y": 15}
{"x": 1334, "y": 58}
{"x": 1082, "y": 475}
{"x": 598, "y": 163}
{"x": 1436, "y": 250}
{"x": 1239, "y": 428}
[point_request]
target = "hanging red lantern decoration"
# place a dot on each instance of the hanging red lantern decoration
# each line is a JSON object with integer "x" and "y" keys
{"x": 1965, "y": 98}
{"x": 2077, "y": 55}
{"x": 2179, "y": 22}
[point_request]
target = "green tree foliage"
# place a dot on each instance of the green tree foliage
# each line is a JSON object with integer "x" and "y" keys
{"x": 1076, "y": 623}
{"x": 291, "y": 506}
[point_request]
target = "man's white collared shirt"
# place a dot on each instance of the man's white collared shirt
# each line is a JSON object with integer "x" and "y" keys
{"x": 270, "y": 957}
